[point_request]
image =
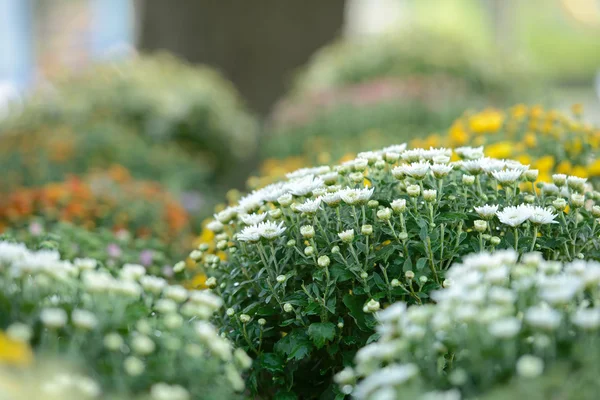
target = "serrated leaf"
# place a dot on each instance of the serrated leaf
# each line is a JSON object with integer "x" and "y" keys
{"x": 295, "y": 345}
{"x": 355, "y": 307}
{"x": 321, "y": 333}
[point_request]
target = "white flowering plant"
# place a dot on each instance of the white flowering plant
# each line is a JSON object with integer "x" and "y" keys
{"x": 310, "y": 259}
{"x": 499, "y": 320}
{"x": 134, "y": 333}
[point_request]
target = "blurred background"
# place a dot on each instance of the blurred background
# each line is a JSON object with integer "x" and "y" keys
{"x": 133, "y": 119}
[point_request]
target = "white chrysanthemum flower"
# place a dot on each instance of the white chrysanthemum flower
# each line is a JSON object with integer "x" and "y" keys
{"x": 541, "y": 216}
{"x": 252, "y": 219}
{"x": 417, "y": 170}
{"x": 514, "y": 164}
{"x": 355, "y": 196}
{"x": 514, "y": 215}
{"x": 393, "y": 376}
{"x": 586, "y": 318}
{"x": 412, "y": 155}
{"x": 543, "y": 317}
{"x": 396, "y": 148}
{"x": 85, "y": 264}
{"x": 507, "y": 176}
{"x": 331, "y": 199}
{"x": 215, "y": 226}
{"x": 487, "y": 211}
{"x": 490, "y": 165}
{"x": 469, "y": 153}
{"x": 226, "y": 215}
{"x": 549, "y": 189}
{"x": 84, "y": 319}
{"x": 576, "y": 183}
{"x": 305, "y": 186}
{"x": 249, "y": 234}
{"x": 440, "y": 170}
{"x": 250, "y": 202}
{"x": 310, "y": 206}
{"x": 432, "y": 152}
{"x": 270, "y": 230}
{"x": 473, "y": 167}
{"x": 505, "y": 328}
{"x": 302, "y": 172}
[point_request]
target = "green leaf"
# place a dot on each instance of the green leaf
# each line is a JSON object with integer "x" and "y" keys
{"x": 340, "y": 273}
{"x": 271, "y": 362}
{"x": 355, "y": 306}
{"x": 321, "y": 333}
{"x": 295, "y": 345}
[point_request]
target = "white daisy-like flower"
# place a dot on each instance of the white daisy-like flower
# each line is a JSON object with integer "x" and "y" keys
{"x": 489, "y": 165}
{"x": 355, "y": 196}
{"x": 252, "y": 219}
{"x": 549, "y": 189}
{"x": 305, "y": 186}
{"x": 417, "y": 170}
{"x": 396, "y": 148}
{"x": 487, "y": 211}
{"x": 270, "y": 230}
{"x": 272, "y": 192}
{"x": 302, "y": 172}
{"x": 441, "y": 170}
{"x": 309, "y": 206}
{"x": 543, "y": 317}
{"x": 576, "y": 183}
{"x": 507, "y": 176}
{"x": 541, "y": 216}
{"x": 214, "y": 226}
{"x": 473, "y": 167}
{"x": 412, "y": 155}
{"x": 250, "y": 202}
{"x": 249, "y": 234}
{"x": 226, "y": 215}
{"x": 514, "y": 216}
{"x": 469, "y": 153}
{"x": 370, "y": 156}
{"x": 435, "y": 152}
{"x": 514, "y": 164}
{"x": 331, "y": 199}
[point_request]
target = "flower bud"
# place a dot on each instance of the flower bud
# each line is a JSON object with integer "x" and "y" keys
{"x": 366, "y": 230}
{"x": 364, "y": 275}
{"x": 262, "y": 321}
{"x": 413, "y": 190}
{"x": 287, "y": 307}
{"x": 211, "y": 282}
{"x": 373, "y": 305}
{"x": 399, "y": 205}
{"x": 409, "y": 275}
{"x": 276, "y": 213}
{"x": 134, "y": 366}
{"x": 179, "y": 266}
{"x": 384, "y": 214}
{"x": 468, "y": 179}
{"x": 340, "y": 325}
{"x": 347, "y": 236}
{"x": 281, "y": 278}
{"x": 222, "y": 245}
{"x": 291, "y": 243}
{"x": 529, "y": 199}
{"x": 531, "y": 175}
{"x": 356, "y": 177}
{"x": 323, "y": 261}
{"x": 285, "y": 200}
{"x": 395, "y": 283}
{"x": 113, "y": 341}
{"x": 495, "y": 240}
{"x": 596, "y": 211}
{"x": 559, "y": 179}
{"x": 196, "y": 255}
{"x": 307, "y": 231}
{"x": 203, "y": 246}
{"x": 423, "y": 279}
{"x": 429, "y": 195}
{"x": 480, "y": 225}
{"x": 230, "y": 312}
{"x": 391, "y": 157}
{"x": 309, "y": 250}
{"x": 559, "y": 204}
{"x": 577, "y": 200}
{"x": 245, "y": 318}
{"x": 335, "y": 249}
{"x": 372, "y": 204}
{"x": 403, "y": 236}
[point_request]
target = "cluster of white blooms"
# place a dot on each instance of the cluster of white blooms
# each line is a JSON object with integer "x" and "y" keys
{"x": 86, "y": 300}
{"x": 491, "y": 302}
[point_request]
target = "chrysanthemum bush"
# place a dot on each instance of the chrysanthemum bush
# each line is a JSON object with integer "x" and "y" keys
{"x": 311, "y": 258}
{"x": 550, "y": 140}
{"x": 131, "y": 332}
{"x": 499, "y": 319}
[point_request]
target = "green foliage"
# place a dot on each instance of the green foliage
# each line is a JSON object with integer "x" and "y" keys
{"x": 310, "y": 259}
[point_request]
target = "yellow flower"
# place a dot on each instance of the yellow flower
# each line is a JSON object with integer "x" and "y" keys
{"x": 564, "y": 167}
{"x": 594, "y": 168}
{"x": 197, "y": 282}
{"x": 519, "y": 111}
{"x": 580, "y": 171}
{"x": 458, "y": 135}
{"x": 530, "y": 140}
{"x": 14, "y": 352}
{"x": 489, "y": 121}
{"x": 577, "y": 109}
{"x": 544, "y": 164}
{"x": 524, "y": 159}
{"x": 499, "y": 150}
